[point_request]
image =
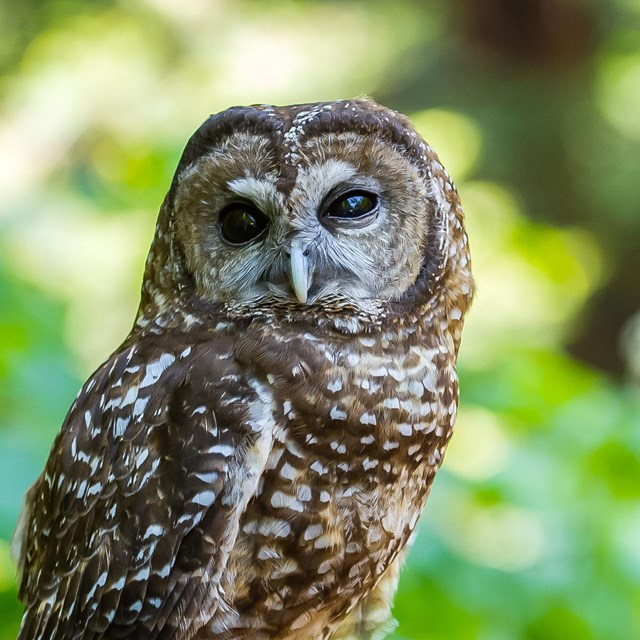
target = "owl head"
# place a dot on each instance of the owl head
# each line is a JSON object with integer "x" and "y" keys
{"x": 337, "y": 205}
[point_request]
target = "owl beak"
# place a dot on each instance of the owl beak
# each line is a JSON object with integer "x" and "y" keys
{"x": 299, "y": 270}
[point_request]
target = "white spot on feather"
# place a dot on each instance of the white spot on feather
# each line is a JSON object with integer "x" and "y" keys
{"x": 153, "y": 531}
{"x": 142, "y": 575}
{"x": 405, "y": 429}
{"x": 319, "y": 468}
{"x": 117, "y": 586}
{"x": 288, "y": 472}
{"x": 142, "y": 456}
{"x": 337, "y": 414}
{"x": 154, "y": 370}
{"x": 207, "y": 478}
{"x": 130, "y": 396}
{"x": 120, "y": 426}
{"x": 312, "y": 531}
{"x": 139, "y": 406}
{"x": 391, "y": 403}
{"x": 367, "y": 418}
{"x": 204, "y": 498}
{"x": 223, "y": 449}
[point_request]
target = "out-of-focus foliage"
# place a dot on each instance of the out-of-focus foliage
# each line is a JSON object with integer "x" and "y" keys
{"x": 533, "y": 527}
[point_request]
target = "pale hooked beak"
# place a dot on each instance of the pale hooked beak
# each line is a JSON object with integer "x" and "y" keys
{"x": 299, "y": 270}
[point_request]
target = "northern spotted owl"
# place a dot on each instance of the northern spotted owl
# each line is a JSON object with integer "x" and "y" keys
{"x": 254, "y": 458}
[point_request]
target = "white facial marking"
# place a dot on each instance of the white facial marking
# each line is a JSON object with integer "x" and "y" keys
{"x": 262, "y": 192}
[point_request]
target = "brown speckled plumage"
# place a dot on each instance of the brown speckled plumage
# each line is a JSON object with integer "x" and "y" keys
{"x": 247, "y": 465}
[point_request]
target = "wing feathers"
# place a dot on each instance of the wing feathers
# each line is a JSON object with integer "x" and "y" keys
{"x": 131, "y": 524}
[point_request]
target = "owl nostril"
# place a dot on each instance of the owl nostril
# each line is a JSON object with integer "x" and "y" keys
{"x": 287, "y": 251}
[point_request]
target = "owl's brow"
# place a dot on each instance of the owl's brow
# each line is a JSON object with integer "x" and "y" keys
{"x": 261, "y": 191}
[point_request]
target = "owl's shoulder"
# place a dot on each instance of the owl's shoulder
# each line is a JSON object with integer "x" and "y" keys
{"x": 165, "y": 430}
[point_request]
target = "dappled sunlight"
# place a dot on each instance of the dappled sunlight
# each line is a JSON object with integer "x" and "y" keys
{"x": 531, "y": 279}
{"x": 619, "y": 92}
{"x": 532, "y": 529}
{"x": 455, "y": 137}
{"x": 627, "y": 535}
{"x": 7, "y": 568}
{"x": 481, "y": 448}
{"x": 94, "y": 265}
{"x": 502, "y": 536}
{"x": 291, "y": 54}
{"x": 630, "y": 346}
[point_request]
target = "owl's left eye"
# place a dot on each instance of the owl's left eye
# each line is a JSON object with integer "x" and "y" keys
{"x": 241, "y": 224}
{"x": 353, "y": 205}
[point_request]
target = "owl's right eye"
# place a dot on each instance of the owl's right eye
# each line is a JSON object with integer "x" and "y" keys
{"x": 241, "y": 224}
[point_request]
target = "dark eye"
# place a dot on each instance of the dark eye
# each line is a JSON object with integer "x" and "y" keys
{"x": 241, "y": 223}
{"x": 353, "y": 205}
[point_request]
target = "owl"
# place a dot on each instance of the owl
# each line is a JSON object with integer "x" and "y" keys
{"x": 254, "y": 458}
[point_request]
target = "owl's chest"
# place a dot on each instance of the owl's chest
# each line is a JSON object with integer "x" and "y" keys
{"x": 360, "y": 431}
{"x": 370, "y": 408}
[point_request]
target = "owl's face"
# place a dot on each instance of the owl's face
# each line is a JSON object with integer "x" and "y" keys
{"x": 343, "y": 216}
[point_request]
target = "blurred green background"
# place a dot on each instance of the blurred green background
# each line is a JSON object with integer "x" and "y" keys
{"x": 533, "y": 528}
